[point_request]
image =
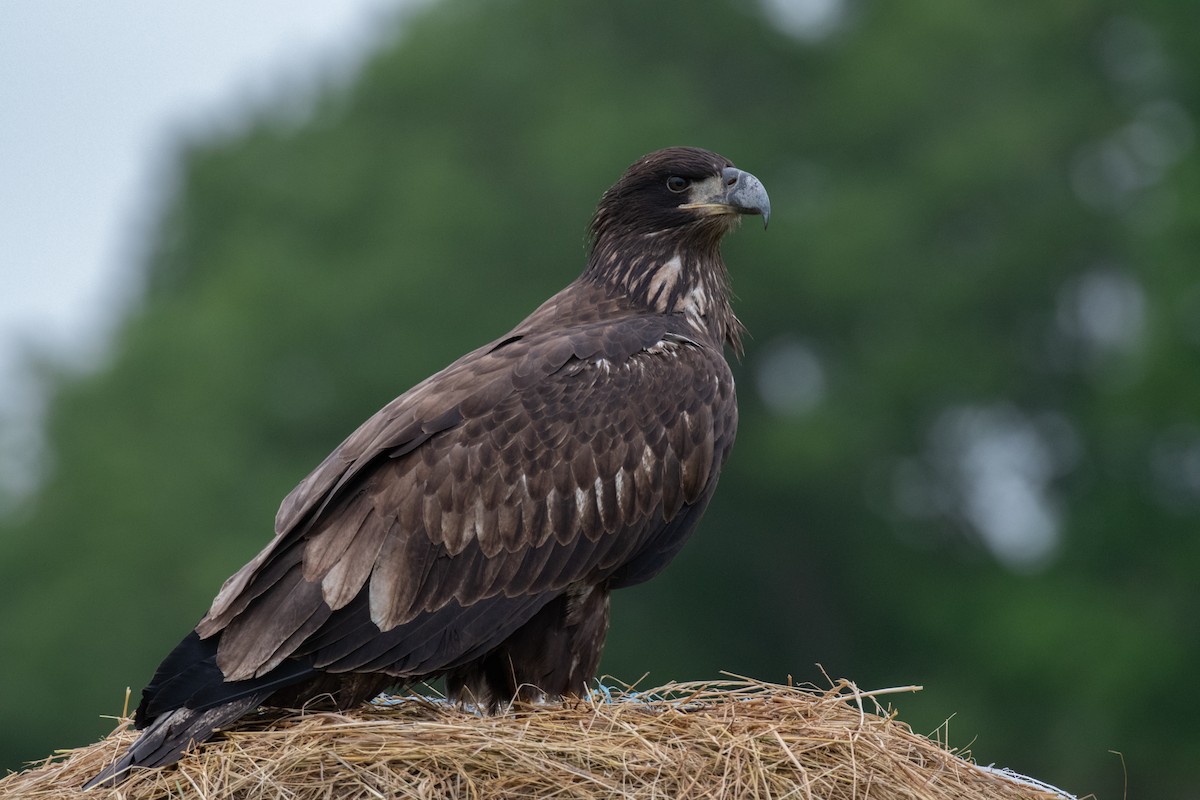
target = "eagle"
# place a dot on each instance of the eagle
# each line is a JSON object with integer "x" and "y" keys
{"x": 474, "y": 528}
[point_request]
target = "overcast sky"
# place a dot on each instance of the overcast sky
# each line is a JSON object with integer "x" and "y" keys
{"x": 92, "y": 95}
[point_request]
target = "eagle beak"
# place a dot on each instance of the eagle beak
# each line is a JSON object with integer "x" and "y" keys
{"x": 746, "y": 194}
{"x": 735, "y": 192}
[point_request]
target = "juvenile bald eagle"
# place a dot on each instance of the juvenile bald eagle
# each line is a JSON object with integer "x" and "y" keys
{"x": 474, "y": 527}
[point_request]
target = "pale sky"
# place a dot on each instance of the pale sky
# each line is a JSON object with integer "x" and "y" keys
{"x": 92, "y": 95}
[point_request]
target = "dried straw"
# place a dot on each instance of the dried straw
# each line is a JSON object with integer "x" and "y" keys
{"x": 728, "y": 739}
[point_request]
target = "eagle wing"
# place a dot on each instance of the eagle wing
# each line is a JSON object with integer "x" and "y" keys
{"x": 456, "y": 512}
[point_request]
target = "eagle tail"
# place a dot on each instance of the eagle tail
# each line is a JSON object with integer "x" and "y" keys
{"x": 171, "y": 735}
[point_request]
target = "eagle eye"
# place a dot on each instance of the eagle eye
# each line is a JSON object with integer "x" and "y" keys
{"x": 677, "y": 183}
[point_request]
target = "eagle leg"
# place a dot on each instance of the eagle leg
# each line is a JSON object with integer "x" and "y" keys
{"x": 554, "y": 654}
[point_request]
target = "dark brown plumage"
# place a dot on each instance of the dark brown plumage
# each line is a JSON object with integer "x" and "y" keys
{"x": 474, "y": 527}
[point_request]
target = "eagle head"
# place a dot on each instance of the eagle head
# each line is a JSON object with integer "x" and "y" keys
{"x": 657, "y": 232}
{"x": 684, "y": 188}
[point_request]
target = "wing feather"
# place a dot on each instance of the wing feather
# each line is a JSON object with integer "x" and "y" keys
{"x": 323, "y": 552}
{"x": 252, "y": 644}
{"x": 670, "y": 479}
{"x": 398, "y": 573}
{"x": 342, "y": 582}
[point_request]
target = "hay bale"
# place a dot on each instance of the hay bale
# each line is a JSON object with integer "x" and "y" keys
{"x": 728, "y": 739}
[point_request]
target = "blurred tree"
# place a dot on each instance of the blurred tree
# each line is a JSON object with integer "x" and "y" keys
{"x": 970, "y": 448}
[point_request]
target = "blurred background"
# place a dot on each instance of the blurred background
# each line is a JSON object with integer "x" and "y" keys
{"x": 969, "y": 455}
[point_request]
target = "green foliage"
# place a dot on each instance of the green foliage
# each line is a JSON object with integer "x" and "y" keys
{"x": 940, "y": 185}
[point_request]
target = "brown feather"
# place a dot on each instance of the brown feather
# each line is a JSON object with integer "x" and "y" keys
{"x": 251, "y": 644}
{"x": 345, "y": 579}
{"x": 328, "y": 546}
{"x": 395, "y": 578}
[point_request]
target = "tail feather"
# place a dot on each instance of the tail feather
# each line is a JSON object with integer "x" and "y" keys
{"x": 173, "y": 734}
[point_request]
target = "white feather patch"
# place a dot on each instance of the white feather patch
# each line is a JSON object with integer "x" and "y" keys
{"x": 662, "y": 284}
